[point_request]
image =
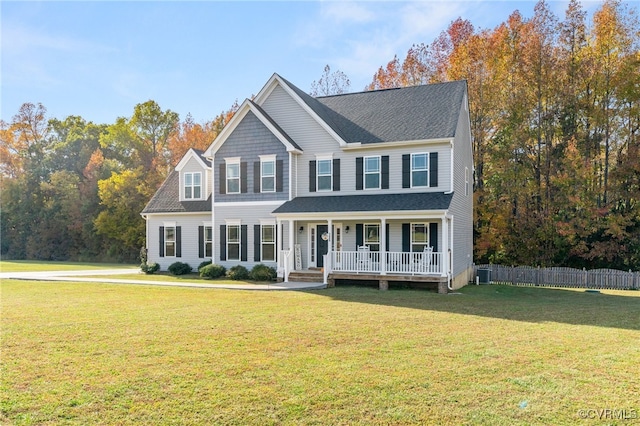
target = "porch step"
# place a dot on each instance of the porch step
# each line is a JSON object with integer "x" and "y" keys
{"x": 306, "y": 276}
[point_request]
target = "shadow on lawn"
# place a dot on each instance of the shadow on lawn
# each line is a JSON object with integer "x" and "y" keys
{"x": 527, "y": 304}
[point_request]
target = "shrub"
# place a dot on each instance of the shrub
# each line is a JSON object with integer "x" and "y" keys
{"x": 263, "y": 273}
{"x": 179, "y": 268}
{"x": 238, "y": 272}
{"x": 149, "y": 268}
{"x": 212, "y": 271}
{"x": 203, "y": 264}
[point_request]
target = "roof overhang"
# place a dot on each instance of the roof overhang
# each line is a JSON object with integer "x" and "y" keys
{"x": 189, "y": 155}
{"x": 377, "y": 145}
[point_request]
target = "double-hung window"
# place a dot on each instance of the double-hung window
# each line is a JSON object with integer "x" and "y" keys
{"x": 324, "y": 175}
{"x": 233, "y": 242}
{"x": 192, "y": 186}
{"x": 372, "y": 236}
{"x": 208, "y": 241}
{"x": 268, "y": 174}
{"x": 233, "y": 177}
{"x": 372, "y": 172}
{"x": 419, "y": 170}
{"x": 419, "y": 237}
{"x": 268, "y": 242}
{"x": 170, "y": 241}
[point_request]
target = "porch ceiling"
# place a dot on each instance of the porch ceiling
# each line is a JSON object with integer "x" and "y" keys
{"x": 379, "y": 204}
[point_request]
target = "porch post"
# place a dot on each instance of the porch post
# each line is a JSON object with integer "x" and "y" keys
{"x": 383, "y": 246}
{"x": 445, "y": 246}
{"x": 278, "y": 240}
{"x": 330, "y": 226}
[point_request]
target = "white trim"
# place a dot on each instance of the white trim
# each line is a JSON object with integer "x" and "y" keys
{"x": 187, "y": 156}
{"x": 268, "y": 221}
{"x": 231, "y": 222}
{"x": 247, "y": 203}
{"x": 427, "y": 170}
{"x": 232, "y": 160}
{"x": 344, "y": 216}
{"x": 169, "y": 223}
{"x": 357, "y": 146}
{"x": 324, "y": 156}
{"x": 178, "y": 213}
{"x": 451, "y": 186}
{"x": 206, "y": 223}
{"x": 364, "y": 172}
{"x": 183, "y": 186}
{"x": 269, "y": 157}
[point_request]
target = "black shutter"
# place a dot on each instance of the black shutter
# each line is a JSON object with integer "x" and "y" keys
{"x": 433, "y": 169}
{"x": 312, "y": 176}
{"x": 256, "y": 242}
{"x": 223, "y": 242}
{"x": 406, "y": 170}
{"x": 385, "y": 172}
{"x": 387, "y": 235}
{"x": 359, "y": 234}
{"x": 336, "y": 174}
{"x": 243, "y": 243}
{"x": 161, "y": 241}
{"x": 279, "y": 172}
{"x": 406, "y": 237}
{"x": 359, "y": 173}
{"x": 243, "y": 177}
{"x": 433, "y": 235}
{"x": 200, "y": 242}
{"x": 222, "y": 185}
{"x": 178, "y": 241}
{"x": 256, "y": 176}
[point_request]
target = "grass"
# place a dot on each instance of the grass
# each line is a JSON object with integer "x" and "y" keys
{"x": 98, "y": 353}
{"x": 187, "y": 278}
{"x": 36, "y": 265}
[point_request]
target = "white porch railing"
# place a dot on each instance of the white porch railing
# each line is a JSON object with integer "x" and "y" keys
{"x": 285, "y": 265}
{"x": 421, "y": 263}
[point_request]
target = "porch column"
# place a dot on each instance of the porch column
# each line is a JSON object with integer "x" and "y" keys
{"x": 445, "y": 246}
{"x": 383, "y": 246}
{"x": 278, "y": 240}
{"x": 330, "y": 242}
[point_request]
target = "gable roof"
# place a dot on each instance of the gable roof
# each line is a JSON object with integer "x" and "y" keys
{"x": 198, "y": 155}
{"x": 368, "y": 203}
{"x": 167, "y": 199}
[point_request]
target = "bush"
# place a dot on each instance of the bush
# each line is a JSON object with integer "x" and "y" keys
{"x": 263, "y": 273}
{"x": 203, "y": 264}
{"x": 212, "y": 271}
{"x": 149, "y": 268}
{"x": 238, "y": 272}
{"x": 179, "y": 268}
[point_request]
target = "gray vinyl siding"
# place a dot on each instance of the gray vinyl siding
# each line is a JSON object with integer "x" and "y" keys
{"x": 249, "y": 140}
{"x": 461, "y": 204}
{"x": 192, "y": 166}
{"x": 189, "y": 224}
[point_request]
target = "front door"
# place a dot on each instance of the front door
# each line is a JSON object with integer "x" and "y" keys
{"x": 322, "y": 245}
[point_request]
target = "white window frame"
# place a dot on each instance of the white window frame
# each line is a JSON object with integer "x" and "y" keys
{"x": 231, "y": 162}
{"x": 231, "y": 226}
{"x": 264, "y": 243}
{"x": 324, "y": 175}
{"x": 366, "y": 237}
{"x": 267, "y": 159}
{"x": 377, "y": 172}
{"x": 415, "y": 242}
{"x": 208, "y": 240}
{"x": 189, "y": 183}
{"x": 169, "y": 242}
{"x": 424, "y": 170}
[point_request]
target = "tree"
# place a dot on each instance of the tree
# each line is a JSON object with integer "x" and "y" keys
{"x": 335, "y": 83}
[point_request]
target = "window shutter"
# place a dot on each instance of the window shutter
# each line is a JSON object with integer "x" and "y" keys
{"x": 433, "y": 235}
{"x": 256, "y": 176}
{"x": 385, "y": 172}
{"x": 336, "y": 174}
{"x": 256, "y": 242}
{"x": 161, "y": 241}
{"x": 243, "y": 243}
{"x": 433, "y": 169}
{"x": 406, "y": 237}
{"x": 359, "y": 234}
{"x": 200, "y": 242}
{"x": 312, "y": 176}
{"x": 178, "y": 241}
{"x": 222, "y": 185}
{"x": 279, "y": 172}
{"x": 243, "y": 177}
{"x": 406, "y": 170}
{"x": 388, "y": 234}
{"x": 223, "y": 242}
{"x": 359, "y": 173}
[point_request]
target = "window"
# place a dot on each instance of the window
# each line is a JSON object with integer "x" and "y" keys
{"x": 372, "y": 173}
{"x": 419, "y": 236}
{"x": 324, "y": 175}
{"x": 233, "y": 242}
{"x": 372, "y": 236}
{"x": 208, "y": 241}
{"x": 192, "y": 186}
{"x": 419, "y": 170}
{"x": 233, "y": 178}
{"x": 268, "y": 243}
{"x": 268, "y": 176}
{"x": 170, "y": 241}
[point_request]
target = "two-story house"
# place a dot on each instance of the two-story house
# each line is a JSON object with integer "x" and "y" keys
{"x": 371, "y": 185}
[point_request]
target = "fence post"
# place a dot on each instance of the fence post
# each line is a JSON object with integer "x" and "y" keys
{"x": 585, "y": 280}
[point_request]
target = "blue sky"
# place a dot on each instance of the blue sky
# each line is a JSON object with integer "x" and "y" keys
{"x": 99, "y": 59}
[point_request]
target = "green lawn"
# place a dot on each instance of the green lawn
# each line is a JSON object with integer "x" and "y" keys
{"x": 38, "y": 265}
{"x": 77, "y": 353}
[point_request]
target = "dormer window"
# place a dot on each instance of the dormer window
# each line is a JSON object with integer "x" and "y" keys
{"x": 193, "y": 186}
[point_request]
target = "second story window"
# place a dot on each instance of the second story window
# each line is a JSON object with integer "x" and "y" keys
{"x": 233, "y": 178}
{"x": 192, "y": 186}
{"x": 268, "y": 175}
{"x": 419, "y": 170}
{"x": 324, "y": 175}
{"x": 372, "y": 172}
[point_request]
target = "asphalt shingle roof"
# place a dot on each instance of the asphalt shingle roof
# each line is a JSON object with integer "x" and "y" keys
{"x": 367, "y": 203}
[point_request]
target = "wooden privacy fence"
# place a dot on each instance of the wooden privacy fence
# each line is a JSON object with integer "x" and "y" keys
{"x": 561, "y": 277}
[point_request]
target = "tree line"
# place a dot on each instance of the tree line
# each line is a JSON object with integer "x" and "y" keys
{"x": 555, "y": 121}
